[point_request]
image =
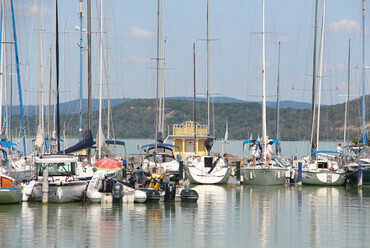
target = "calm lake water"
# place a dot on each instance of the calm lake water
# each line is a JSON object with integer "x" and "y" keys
{"x": 224, "y": 216}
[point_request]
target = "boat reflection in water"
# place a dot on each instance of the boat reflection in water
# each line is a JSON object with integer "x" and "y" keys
{"x": 224, "y": 216}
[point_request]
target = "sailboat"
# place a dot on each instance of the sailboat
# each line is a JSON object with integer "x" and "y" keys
{"x": 18, "y": 167}
{"x": 64, "y": 184}
{"x": 205, "y": 168}
{"x": 322, "y": 167}
{"x": 363, "y": 158}
{"x": 261, "y": 172}
{"x": 159, "y": 157}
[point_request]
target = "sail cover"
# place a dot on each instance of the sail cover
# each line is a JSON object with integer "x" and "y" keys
{"x": 86, "y": 142}
{"x": 209, "y": 143}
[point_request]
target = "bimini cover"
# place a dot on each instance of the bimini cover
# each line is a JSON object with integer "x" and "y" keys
{"x": 86, "y": 142}
{"x": 209, "y": 143}
{"x": 7, "y": 144}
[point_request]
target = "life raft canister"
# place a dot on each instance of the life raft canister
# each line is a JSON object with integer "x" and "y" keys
{"x": 152, "y": 180}
{"x": 159, "y": 182}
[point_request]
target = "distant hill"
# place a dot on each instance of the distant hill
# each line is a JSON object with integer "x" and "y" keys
{"x": 72, "y": 107}
{"x": 136, "y": 119}
{"x": 283, "y": 104}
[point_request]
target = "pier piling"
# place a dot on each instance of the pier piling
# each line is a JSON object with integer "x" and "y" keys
{"x": 237, "y": 173}
{"x": 181, "y": 173}
{"x": 45, "y": 187}
{"x": 359, "y": 179}
{"x": 299, "y": 174}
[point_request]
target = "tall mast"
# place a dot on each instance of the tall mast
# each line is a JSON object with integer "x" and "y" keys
{"x": 163, "y": 73}
{"x": 11, "y": 98}
{"x": 364, "y": 136}
{"x": 320, "y": 75}
{"x": 4, "y": 74}
{"x": 194, "y": 108}
{"x": 208, "y": 53}
{"x": 160, "y": 70}
{"x": 2, "y": 66}
{"x": 313, "y": 129}
{"x": 108, "y": 70}
{"x": 5, "y": 78}
{"x": 264, "y": 141}
{"x": 278, "y": 103}
{"x": 101, "y": 77}
{"x": 80, "y": 15}
{"x": 347, "y": 90}
{"x": 89, "y": 47}
{"x": 49, "y": 104}
{"x": 41, "y": 71}
{"x": 5, "y": 82}
{"x": 89, "y": 105}
{"x": 57, "y": 72}
{"x": 19, "y": 79}
{"x": 157, "y": 81}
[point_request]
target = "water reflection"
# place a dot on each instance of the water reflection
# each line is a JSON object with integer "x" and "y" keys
{"x": 232, "y": 216}
{"x": 265, "y": 213}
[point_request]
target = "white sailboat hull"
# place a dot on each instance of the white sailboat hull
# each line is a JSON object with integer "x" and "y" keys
{"x": 324, "y": 178}
{"x": 263, "y": 176}
{"x": 197, "y": 176}
{"x": 199, "y": 170}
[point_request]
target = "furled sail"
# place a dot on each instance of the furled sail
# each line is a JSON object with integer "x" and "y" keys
{"x": 86, "y": 142}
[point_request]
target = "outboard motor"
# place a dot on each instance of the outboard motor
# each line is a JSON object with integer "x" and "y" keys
{"x": 132, "y": 181}
{"x": 189, "y": 195}
{"x": 117, "y": 192}
{"x": 170, "y": 191}
{"x": 108, "y": 185}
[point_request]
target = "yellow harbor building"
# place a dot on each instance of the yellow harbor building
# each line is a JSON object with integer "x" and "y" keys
{"x": 183, "y": 137}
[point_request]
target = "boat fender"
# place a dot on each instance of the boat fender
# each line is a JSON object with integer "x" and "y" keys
{"x": 170, "y": 191}
{"x": 159, "y": 182}
{"x": 152, "y": 180}
{"x": 117, "y": 192}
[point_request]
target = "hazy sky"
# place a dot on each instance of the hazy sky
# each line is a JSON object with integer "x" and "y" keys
{"x": 235, "y": 49}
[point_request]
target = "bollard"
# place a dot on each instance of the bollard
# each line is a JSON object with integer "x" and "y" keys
{"x": 359, "y": 181}
{"x": 299, "y": 174}
{"x": 181, "y": 172}
{"x": 237, "y": 172}
{"x": 45, "y": 187}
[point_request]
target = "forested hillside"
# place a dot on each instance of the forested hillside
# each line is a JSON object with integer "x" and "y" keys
{"x": 136, "y": 119}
